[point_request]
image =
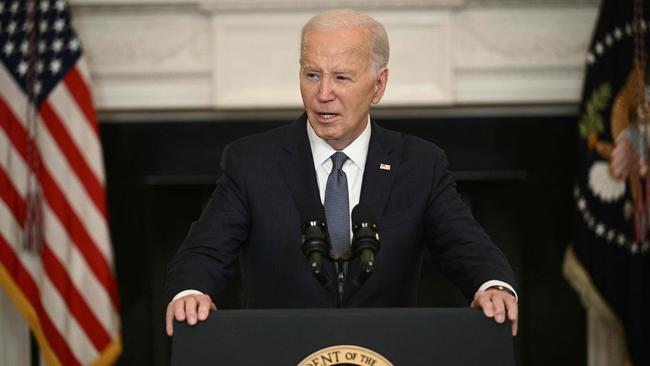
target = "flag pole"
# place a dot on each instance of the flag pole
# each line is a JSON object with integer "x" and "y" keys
{"x": 34, "y": 352}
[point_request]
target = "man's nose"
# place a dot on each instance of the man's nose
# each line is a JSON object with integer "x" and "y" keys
{"x": 325, "y": 90}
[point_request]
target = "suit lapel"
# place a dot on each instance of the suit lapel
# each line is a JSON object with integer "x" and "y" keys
{"x": 378, "y": 179}
{"x": 379, "y": 173}
{"x": 298, "y": 165}
{"x": 300, "y": 175}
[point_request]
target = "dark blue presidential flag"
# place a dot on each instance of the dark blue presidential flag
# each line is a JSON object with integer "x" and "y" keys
{"x": 608, "y": 262}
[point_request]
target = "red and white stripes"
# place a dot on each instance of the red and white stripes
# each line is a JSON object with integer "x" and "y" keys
{"x": 68, "y": 293}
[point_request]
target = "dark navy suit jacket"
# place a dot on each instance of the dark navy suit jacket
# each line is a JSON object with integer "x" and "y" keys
{"x": 254, "y": 214}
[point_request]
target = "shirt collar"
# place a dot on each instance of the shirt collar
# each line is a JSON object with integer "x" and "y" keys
{"x": 357, "y": 151}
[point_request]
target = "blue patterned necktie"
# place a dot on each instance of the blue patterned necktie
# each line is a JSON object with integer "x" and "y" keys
{"x": 337, "y": 207}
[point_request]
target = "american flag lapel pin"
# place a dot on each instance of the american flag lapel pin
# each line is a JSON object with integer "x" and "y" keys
{"x": 383, "y": 166}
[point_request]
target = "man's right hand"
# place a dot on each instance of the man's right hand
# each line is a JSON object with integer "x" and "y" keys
{"x": 192, "y": 307}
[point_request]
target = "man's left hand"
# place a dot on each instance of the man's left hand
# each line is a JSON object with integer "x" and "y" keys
{"x": 498, "y": 304}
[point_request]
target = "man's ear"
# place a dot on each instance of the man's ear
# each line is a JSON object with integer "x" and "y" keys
{"x": 380, "y": 84}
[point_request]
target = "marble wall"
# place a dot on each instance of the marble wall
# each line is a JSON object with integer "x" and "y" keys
{"x": 243, "y": 55}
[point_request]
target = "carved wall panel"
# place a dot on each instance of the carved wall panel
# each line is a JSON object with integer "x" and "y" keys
{"x": 147, "y": 57}
{"x": 224, "y": 55}
{"x": 256, "y": 59}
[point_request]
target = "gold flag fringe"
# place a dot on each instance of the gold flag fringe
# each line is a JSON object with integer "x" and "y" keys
{"x": 108, "y": 356}
{"x": 591, "y": 298}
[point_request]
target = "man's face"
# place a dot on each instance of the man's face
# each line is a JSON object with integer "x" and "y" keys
{"x": 338, "y": 83}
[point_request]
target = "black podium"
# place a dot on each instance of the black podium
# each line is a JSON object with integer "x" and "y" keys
{"x": 323, "y": 337}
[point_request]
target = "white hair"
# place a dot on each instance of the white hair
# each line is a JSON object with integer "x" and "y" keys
{"x": 348, "y": 18}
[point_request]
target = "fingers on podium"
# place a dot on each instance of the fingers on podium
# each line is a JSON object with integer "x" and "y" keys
{"x": 498, "y": 304}
{"x": 193, "y": 308}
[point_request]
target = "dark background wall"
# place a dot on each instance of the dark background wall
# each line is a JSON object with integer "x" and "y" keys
{"x": 516, "y": 173}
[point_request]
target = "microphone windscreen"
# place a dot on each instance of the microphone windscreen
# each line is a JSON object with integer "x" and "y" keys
{"x": 362, "y": 213}
{"x": 313, "y": 212}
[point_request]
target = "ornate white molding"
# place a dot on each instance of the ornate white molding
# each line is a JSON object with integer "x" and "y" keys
{"x": 250, "y": 73}
{"x": 227, "y": 54}
{"x": 522, "y": 37}
{"x": 127, "y": 42}
{"x": 319, "y": 4}
{"x": 316, "y": 5}
{"x": 518, "y": 55}
{"x": 256, "y": 60}
{"x": 154, "y": 58}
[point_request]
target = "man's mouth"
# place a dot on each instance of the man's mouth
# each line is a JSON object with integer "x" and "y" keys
{"x": 326, "y": 116}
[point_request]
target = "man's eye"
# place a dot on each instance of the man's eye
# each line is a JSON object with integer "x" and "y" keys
{"x": 312, "y": 75}
{"x": 342, "y": 78}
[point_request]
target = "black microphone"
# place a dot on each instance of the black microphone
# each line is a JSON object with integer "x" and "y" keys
{"x": 315, "y": 244}
{"x": 365, "y": 239}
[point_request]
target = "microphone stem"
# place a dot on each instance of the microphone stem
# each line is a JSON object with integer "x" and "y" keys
{"x": 341, "y": 282}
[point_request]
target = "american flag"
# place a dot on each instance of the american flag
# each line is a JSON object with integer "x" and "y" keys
{"x": 56, "y": 260}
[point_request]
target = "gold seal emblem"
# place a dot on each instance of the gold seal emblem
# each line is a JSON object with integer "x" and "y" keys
{"x": 345, "y": 355}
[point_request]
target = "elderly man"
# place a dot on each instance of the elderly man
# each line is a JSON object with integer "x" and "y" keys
{"x": 334, "y": 150}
